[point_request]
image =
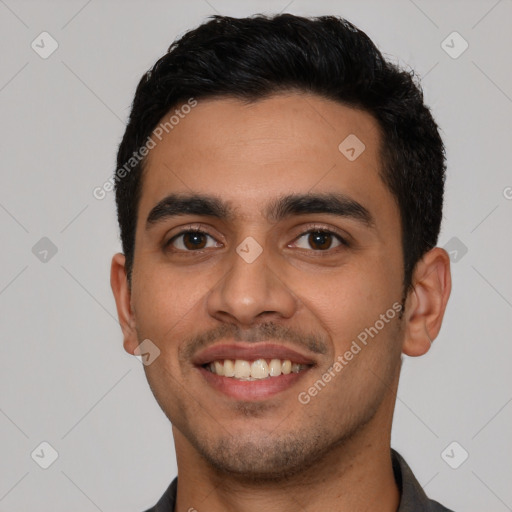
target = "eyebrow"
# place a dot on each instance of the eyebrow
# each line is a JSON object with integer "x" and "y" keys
{"x": 338, "y": 204}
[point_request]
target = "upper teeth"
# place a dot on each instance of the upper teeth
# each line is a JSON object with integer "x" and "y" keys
{"x": 259, "y": 369}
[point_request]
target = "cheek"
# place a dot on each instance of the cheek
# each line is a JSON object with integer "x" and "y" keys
{"x": 351, "y": 297}
{"x": 354, "y": 307}
{"x": 163, "y": 300}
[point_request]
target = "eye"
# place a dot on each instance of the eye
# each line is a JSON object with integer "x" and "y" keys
{"x": 321, "y": 239}
{"x": 190, "y": 240}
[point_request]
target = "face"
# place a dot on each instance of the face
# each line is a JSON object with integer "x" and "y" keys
{"x": 277, "y": 247}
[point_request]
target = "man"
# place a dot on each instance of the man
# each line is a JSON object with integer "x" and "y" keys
{"x": 279, "y": 193}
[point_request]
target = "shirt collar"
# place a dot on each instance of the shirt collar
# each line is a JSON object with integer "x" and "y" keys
{"x": 412, "y": 495}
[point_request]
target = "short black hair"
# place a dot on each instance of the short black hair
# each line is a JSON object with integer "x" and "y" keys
{"x": 252, "y": 58}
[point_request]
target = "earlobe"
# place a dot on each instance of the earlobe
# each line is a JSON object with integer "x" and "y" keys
{"x": 427, "y": 301}
{"x": 122, "y": 295}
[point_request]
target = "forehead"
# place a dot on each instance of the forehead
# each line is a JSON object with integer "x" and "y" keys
{"x": 251, "y": 153}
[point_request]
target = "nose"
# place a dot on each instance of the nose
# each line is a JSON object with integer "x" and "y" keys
{"x": 249, "y": 290}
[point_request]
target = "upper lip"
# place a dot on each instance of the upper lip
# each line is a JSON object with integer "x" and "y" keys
{"x": 249, "y": 352}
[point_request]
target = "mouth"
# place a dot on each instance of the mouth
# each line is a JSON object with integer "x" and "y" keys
{"x": 244, "y": 370}
{"x": 252, "y": 372}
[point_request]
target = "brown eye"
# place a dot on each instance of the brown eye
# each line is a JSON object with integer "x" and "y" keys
{"x": 194, "y": 240}
{"x": 190, "y": 240}
{"x": 320, "y": 240}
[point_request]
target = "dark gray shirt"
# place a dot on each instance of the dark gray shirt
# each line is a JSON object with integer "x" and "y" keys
{"x": 412, "y": 496}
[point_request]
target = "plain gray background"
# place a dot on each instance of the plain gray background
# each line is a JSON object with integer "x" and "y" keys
{"x": 65, "y": 378}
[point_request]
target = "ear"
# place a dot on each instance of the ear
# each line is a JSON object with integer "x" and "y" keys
{"x": 426, "y": 303}
{"x": 122, "y": 295}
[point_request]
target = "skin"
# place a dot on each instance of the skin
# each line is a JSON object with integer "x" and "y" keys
{"x": 277, "y": 454}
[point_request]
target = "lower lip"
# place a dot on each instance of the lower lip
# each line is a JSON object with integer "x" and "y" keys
{"x": 251, "y": 389}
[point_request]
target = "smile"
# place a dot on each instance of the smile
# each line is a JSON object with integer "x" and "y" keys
{"x": 259, "y": 369}
{"x": 252, "y": 371}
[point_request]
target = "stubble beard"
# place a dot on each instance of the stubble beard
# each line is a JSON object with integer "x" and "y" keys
{"x": 277, "y": 456}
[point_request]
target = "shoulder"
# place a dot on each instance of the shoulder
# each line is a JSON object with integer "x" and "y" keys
{"x": 167, "y": 501}
{"x": 413, "y": 497}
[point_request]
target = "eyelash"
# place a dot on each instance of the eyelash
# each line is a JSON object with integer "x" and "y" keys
{"x": 311, "y": 229}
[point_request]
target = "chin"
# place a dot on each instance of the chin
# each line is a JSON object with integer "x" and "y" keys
{"x": 268, "y": 458}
